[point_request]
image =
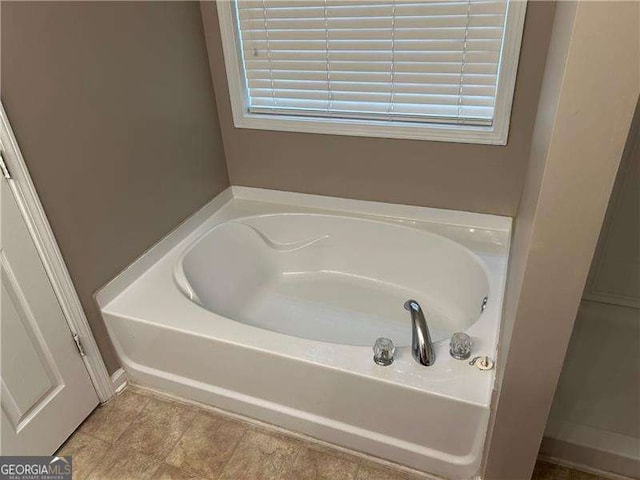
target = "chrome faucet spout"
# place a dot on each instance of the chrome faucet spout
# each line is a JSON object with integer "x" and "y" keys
{"x": 421, "y": 347}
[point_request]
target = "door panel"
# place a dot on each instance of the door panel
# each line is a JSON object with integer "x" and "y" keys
{"x": 26, "y": 355}
{"x": 46, "y": 391}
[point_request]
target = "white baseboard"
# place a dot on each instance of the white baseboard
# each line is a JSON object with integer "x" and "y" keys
{"x": 607, "y": 454}
{"x": 119, "y": 380}
{"x": 581, "y": 467}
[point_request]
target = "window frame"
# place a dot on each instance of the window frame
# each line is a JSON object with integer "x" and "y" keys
{"x": 496, "y": 134}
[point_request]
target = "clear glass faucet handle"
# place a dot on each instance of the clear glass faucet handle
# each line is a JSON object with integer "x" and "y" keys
{"x": 460, "y": 346}
{"x": 383, "y": 351}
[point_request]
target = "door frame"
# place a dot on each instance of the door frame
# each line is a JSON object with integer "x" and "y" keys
{"x": 34, "y": 216}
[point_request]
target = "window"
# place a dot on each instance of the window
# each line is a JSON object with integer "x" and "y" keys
{"x": 437, "y": 70}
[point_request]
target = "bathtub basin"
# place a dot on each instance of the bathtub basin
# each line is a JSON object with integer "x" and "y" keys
{"x": 267, "y": 304}
{"x": 332, "y": 278}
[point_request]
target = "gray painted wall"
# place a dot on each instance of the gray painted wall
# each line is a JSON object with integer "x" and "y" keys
{"x": 479, "y": 178}
{"x": 113, "y": 107}
{"x": 615, "y": 271}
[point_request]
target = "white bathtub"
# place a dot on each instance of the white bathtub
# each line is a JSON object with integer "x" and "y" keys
{"x": 267, "y": 304}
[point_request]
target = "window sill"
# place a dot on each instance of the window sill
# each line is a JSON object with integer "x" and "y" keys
{"x": 371, "y": 128}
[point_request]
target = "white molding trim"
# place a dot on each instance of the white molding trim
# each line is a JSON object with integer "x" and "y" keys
{"x": 119, "y": 380}
{"x": 581, "y": 467}
{"x": 612, "y": 299}
{"x": 29, "y": 204}
{"x": 593, "y": 450}
{"x": 497, "y": 134}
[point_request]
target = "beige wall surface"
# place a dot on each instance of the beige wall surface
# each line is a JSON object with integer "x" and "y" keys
{"x": 481, "y": 178}
{"x": 113, "y": 108}
{"x": 592, "y": 74}
{"x": 607, "y": 324}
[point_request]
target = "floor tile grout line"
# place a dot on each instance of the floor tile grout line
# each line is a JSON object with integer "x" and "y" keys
{"x": 114, "y": 405}
{"x": 91, "y": 437}
{"x": 283, "y": 469}
{"x": 233, "y": 451}
{"x": 190, "y": 471}
{"x": 111, "y": 445}
{"x": 163, "y": 458}
{"x": 295, "y": 460}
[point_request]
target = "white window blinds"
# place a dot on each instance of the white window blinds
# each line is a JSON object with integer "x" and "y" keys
{"x": 402, "y": 60}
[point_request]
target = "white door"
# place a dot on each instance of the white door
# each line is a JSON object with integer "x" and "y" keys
{"x": 46, "y": 391}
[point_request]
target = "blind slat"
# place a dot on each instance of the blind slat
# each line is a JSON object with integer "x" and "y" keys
{"x": 403, "y": 60}
{"x": 373, "y": 96}
{"x": 479, "y": 21}
{"x": 417, "y": 34}
{"x": 368, "y": 76}
{"x": 382, "y": 66}
{"x": 260, "y": 47}
{"x": 382, "y": 56}
{"x": 321, "y": 85}
{"x": 309, "y": 9}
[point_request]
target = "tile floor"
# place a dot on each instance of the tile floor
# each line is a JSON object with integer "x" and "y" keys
{"x": 139, "y": 436}
{"x": 549, "y": 471}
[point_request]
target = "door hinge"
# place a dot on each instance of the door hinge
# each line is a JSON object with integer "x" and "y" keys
{"x": 3, "y": 167}
{"x": 76, "y": 338}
